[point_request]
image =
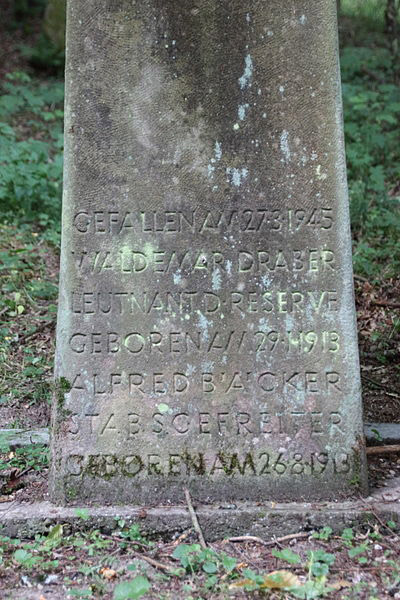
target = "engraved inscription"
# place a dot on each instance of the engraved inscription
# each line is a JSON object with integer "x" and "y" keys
{"x": 219, "y": 342}
{"x": 218, "y": 382}
{"x": 234, "y": 301}
{"x": 185, "y": 422}
{"x": 136, "y": 262}
{"x": 247, "y": 220}
{"x": 261, "y": 464}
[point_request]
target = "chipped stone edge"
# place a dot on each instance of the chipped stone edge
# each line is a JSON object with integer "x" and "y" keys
{"x": 217, "y": 521}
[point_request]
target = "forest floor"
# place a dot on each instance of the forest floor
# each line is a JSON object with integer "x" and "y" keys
{"x": 122, "y": 565}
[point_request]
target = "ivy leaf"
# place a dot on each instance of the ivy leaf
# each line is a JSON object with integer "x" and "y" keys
{"x": 319, "y": 569}
{"x": 357, "y": 550}
{"x": 310, "y": 590}
{"x": 129, "y": 590}
{"x": 210, "y": 567}
{"x": 228, "y": 562}
{"x": 287, "y": 555}
{"x": 21, "y": 556}
{"x": 322, "y": 556}
{"x": 183, "y": 551}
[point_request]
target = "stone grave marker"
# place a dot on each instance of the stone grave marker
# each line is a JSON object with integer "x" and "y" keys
{"x": 206, "y": 331}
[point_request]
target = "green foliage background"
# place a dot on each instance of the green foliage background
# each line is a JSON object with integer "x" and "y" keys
{"x": 31, "y": 144}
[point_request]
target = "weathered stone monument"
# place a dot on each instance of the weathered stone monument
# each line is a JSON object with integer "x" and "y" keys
{"x": 206, "y": 333}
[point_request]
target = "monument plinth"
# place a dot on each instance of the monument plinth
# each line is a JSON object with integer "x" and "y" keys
{"x": 206, "y": 331}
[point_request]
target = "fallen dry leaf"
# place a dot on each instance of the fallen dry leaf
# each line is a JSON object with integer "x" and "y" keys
{"x": 108, "y": 573}
{"x": 277, "y": 580}
{"x": 340, "y": 584}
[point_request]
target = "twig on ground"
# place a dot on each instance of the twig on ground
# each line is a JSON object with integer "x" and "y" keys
{"x": 246, "y": 538}
{"x": 148, "y": 559}
{"x": 153, "y": 562}
{"x": 357, "y": 569}
{"x": 291, "y": 536}
{"x": 117, "y": 538}
{"x": 386, "y": 304}
{"x": 41, "y": 327}
{"x": 252, "y": 538}
{"x": 181, "y": 538}
{"x": 194, "y": 518}
{"x": 380, "y": 385}
{"x": 373, "y": 450}
{"x": 24, "y": 472}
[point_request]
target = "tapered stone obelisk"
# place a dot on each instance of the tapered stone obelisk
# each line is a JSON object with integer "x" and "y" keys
{"x": 206, "y": 331}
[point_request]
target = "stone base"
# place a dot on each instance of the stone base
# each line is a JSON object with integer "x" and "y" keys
{"x": 265, "y": 520}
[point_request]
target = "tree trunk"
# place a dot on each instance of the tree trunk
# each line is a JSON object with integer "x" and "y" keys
{"x": 391, "y": 15}
{"x": 392, "y": 30}
{"x": 54, "y": 22}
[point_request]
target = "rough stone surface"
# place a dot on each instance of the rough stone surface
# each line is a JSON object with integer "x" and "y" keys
{"x": 375, "y": 434}
{"x": 206, "y": 332}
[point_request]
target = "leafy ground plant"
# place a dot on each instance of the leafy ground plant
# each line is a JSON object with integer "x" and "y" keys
{"x": 28, "y": 278}
{"x": 372, "y": 127}
{"x": 31, "y": 141}
{"x": 34, "y": 456}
